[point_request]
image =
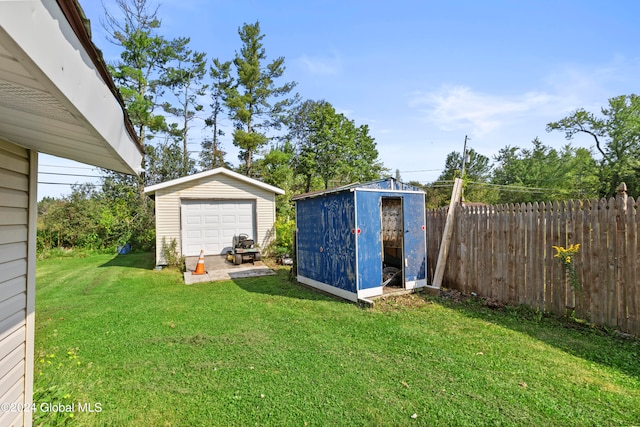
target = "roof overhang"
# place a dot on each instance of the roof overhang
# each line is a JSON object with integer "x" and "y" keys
{"x": 55, "y": 94}
{"x": 151, "y": 190}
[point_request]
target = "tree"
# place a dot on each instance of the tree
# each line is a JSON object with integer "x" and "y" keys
{"x": 617, "y": 139}
{"x": 477, "y": 172}
{"x": 544, "y": 173}
{"x": 361, "y": 163}
{"x": 139, "y": 75}
{"x": 166, "y": 162}
{"x": 250, "y": 99}
{"x": 185, "y": 80}
{"x": 330, "y": 148}
{"x": 212, "y": 155}
{"x": 275, "y": 169}
{"x": 144, "y": 55}
{"x": 141, "y": 79}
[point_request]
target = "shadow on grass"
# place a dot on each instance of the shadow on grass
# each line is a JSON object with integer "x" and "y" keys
{"x": 281, "y": 285}
{"x": 143, "y": 260}
{"x": 578, "y": 339}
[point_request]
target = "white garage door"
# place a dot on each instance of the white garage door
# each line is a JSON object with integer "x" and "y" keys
{"x": 210, "y": 225}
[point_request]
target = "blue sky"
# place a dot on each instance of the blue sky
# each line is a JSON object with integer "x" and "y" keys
{"x": 421, "y": 74}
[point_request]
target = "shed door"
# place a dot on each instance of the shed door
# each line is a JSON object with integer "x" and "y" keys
{"x": 210, "y": 225}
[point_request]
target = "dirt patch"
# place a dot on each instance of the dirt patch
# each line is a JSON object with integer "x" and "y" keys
{"x": 457, "y": 297}
{"x": 398, "y": 302}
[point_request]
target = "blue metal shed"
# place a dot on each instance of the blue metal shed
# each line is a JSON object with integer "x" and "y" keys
{"x": 348, "y": 236}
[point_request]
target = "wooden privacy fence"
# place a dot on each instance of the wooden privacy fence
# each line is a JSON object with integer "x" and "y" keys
{"x": 505, "y": 252}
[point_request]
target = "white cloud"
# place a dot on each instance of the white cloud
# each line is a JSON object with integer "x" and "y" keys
{"x": 562, "y": 90}
{"x": 321, "y": 65}
{"x": 459, "y": 107}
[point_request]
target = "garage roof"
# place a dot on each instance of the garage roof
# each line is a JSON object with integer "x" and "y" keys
{"x": 56, "y": 95}
{"x": 151, "y": 190}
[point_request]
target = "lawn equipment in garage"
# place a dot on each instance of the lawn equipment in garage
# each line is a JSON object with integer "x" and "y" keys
{"x": 244, "y": 249}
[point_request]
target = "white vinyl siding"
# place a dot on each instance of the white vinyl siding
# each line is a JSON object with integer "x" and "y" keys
{"x": 16, "y": 270}
{"x": 219, "y": 187}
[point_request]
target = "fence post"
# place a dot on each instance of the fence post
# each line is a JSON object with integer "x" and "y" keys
{"x": 621, "y": 257}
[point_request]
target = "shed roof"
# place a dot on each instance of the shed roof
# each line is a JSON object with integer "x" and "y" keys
{"x": 151, "y": 190}
{"x": 384, "y": 184}
{"x": 56, "y": 95}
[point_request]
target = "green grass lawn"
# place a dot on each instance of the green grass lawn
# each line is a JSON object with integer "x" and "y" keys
{"x": 144, "y": 349}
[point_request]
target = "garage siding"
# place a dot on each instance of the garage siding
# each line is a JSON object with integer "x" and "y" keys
{"x": 216, "y": 187}
{"x": 16, "y": 300}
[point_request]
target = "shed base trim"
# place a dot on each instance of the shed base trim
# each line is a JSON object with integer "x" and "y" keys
{"x": 370, "y": 292}
{"x": 414, "y": 284}
{"x": 328, "y": 288}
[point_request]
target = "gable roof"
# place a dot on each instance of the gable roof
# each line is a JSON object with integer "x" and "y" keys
{"x": 211, "y": 173}
{"x": 56, "y": 95}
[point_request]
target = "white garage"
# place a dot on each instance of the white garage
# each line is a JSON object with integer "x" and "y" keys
{"x": 205, "y": 211}
{"x": 210, "y": 225}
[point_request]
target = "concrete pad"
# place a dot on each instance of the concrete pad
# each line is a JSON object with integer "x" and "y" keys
{"x": 218, "y": 268}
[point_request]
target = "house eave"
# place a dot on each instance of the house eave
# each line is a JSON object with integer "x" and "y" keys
{"x": 54, "y": 95}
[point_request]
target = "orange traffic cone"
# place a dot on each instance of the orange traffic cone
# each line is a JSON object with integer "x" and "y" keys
{"x": 200, "y": 266}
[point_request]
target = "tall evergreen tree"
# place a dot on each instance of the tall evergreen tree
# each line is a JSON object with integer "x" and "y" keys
{"x": 252, "y": 99}
{"x": 185, "y": 78}
{"x": 139, "y": 72}
{"x": 212, "y": 154}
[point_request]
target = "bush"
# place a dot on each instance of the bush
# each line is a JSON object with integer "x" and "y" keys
{"x": 283, "y": 243}
{"x": 170, "y": 254}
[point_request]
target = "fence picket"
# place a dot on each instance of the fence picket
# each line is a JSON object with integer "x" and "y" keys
{"x": 634, "y": 285}
{"x": 630, "y": 277}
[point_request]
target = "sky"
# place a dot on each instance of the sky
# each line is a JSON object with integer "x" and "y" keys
{"x": 421, "y": 74}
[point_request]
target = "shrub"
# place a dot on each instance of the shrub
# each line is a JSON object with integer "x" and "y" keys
{"x": 283, "y": 243}
{"x": 170, "y": 254}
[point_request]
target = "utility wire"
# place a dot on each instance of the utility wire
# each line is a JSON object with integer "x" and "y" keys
{"x": 70, "y": 174}
{"x": 422, "y": 170}
{"x": 67, "y": 167}
{"x": 68, "y": 183}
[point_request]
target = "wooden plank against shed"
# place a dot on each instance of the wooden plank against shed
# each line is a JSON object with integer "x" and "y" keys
{"x": 446, "y": 235}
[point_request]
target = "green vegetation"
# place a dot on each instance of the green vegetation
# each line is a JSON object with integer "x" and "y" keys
{"x": 152, "y": 351}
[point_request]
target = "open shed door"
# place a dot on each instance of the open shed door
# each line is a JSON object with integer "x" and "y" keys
{"x": 392, "y": 221}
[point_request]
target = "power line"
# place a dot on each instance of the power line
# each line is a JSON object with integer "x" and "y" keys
{"x": 423, "y": 170}
{"x": 519, "y": 188}
{"x": 68, "y": 183}
{"x": 68, "y": 167}
{"x": 69, "y": 174}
